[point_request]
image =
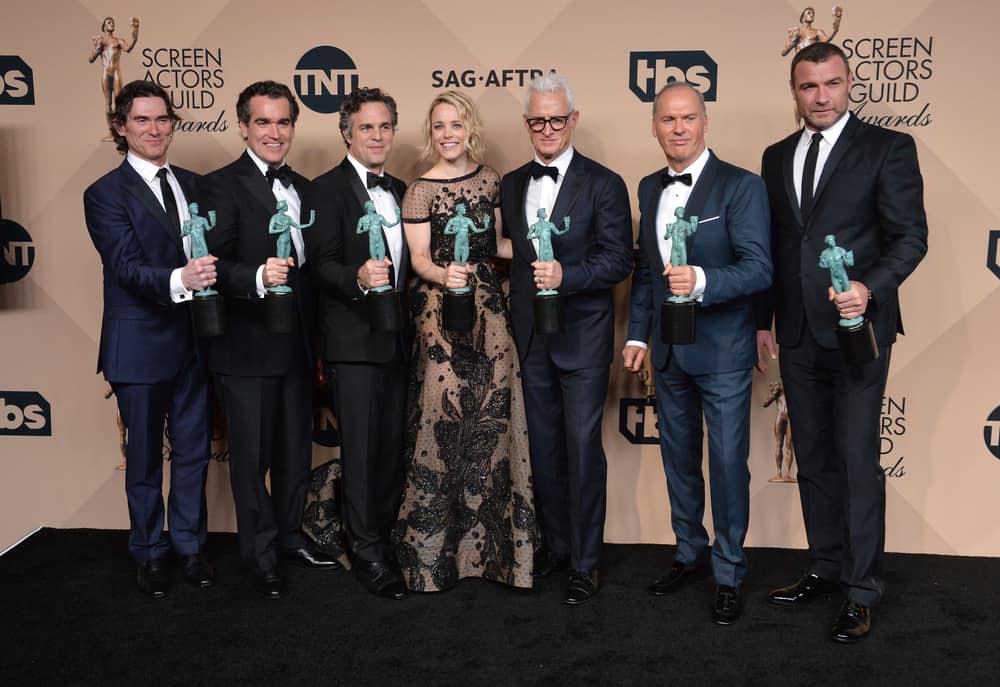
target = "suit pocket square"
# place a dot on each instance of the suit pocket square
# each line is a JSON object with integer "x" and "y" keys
{"x": 708, "y": 219}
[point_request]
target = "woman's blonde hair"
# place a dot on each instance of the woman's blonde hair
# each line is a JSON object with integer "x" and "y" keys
{"x": 475, "y": 146}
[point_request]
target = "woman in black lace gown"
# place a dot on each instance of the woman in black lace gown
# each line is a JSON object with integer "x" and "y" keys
{"x": 467, "y": 507}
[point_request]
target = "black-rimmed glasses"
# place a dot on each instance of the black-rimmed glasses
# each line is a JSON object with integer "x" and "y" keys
{"x": 537, "y": 124}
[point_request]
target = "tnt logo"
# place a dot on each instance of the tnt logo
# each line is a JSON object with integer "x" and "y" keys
{"x": 17, "y": 83}
{"x": 649, "y": 71}
{"x": 637, "y": 421}
{"x": 323, "y": 78}
{"x": 991, "y": 253}
{"x": 24, "y": 413}
{"x": 17, "y": 252}
{"x": 991, "y": 432}
{"x": 325, "y": 429}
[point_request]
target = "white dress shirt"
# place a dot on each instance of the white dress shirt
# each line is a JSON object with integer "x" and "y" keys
{"x": 830, "y": 136}
{"x": 542, "y": 192}
{"x": 291, "y": 197}
{"x": 148, "y": 171}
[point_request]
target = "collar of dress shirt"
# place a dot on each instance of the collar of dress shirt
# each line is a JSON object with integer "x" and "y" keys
{"x": 361, "y": 170}
{"x": 561, "y": 163}
{"x": 144, "y": 168}
{"x": 261, "y": 165}
{"x": 830, "y": 134}
{"x": 694, "y": 169}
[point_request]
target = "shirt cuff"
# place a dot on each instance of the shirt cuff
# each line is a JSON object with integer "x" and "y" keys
{"x": 178, "y": 292}
{"x": 699, "y": 283}
{"x": 640, "y": 344}
{"x": 261, "y": 291}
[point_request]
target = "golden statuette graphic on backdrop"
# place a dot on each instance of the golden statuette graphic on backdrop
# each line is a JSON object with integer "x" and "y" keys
{"x": 805, "y": 34}
{"x": 109, "y": 48}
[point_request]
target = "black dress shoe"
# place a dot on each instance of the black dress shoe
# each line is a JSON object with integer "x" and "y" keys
{"x": 378, "y": 578}
{"x": 268, "y": 584}
{"x": 308, "y": 556}
{"x": 728, "y": 605}
{"x": 853, "y": 623}
{"x": 582, "y": 587}
{"x": 197, "y": 571}
{"x": 151, "y": 577}
{"x": 808, "y": 588}
{"x": 545, "y": 565}
{"x": 678, "y": 576}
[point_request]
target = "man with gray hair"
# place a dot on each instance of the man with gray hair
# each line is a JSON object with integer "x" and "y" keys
{"x": 565, "y": 375}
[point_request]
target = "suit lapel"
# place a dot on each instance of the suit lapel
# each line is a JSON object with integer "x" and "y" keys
{"x": 521, "y": 222}
{"x": 569, "y": 191}
{"x": 788, "y": 174}
{"x": 834, "y": 158}
{"x": 648, "y": 225}
{"x": 699, "y": 194}
{"x": 140, "y": 190}
{"x": 255, "y": 184}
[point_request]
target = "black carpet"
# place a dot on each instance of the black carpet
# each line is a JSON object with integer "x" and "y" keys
{"x": 70, "y": 615}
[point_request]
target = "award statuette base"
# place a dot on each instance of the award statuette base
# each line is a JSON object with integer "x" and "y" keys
{"x": 549, "y": 317}
{"x": 279, "y": 311}
{"x": 383, "y": 311}
{"x": 209, "y": 319}
{"x": 857, "y": 342}
{"x": 458, "y": 311}
{"x": 677, "y": 322}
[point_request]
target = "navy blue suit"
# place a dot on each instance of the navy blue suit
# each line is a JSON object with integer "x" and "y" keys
{"x": 148, "y": 354}
{"x": 565, "y": 376}
{"x": 712, "y": 375}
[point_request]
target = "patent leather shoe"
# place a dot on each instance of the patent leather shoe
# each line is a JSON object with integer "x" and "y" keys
{"x": 808, "y": 588}
{"x": 728, "y": 606}
{"x": 378, "y": 578}
{"x": 582, "y": 587}
{"x": 197, "y": 571}
{"x": 151, "y": 578}
{"x": 269, "y": 584}
{"x": 308, "y": 556}
{"x": 853, "y": 623}
{"x": 545, "y": 564}
{"x": 679, "y": 575}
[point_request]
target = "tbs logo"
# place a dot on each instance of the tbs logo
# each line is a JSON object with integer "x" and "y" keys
{"x": 17, "y": 83}
{"x": 649, "y": 71}
{"x": 637, "y": 421}
{"x": 17, "y": 252}
{"x": 24, "y": 413}
{"x": 323, "y": 77}
{"x": 991, "y": 432}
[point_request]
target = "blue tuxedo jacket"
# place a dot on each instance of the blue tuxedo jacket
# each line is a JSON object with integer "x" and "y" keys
{"x": 732, "y": 246}
{"x": 145, "y": 337}
{"x": 595, "y": 254}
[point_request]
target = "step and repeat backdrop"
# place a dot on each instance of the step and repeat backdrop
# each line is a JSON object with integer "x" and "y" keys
{"x": 925, "y": 67}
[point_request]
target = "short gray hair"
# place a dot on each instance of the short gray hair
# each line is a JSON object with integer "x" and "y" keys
{"x": 549, "y": 83}
{"x": 680, "y": 84}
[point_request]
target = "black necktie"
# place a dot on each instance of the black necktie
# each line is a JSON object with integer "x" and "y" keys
{"x": 282, "y": 174}
{"x": 809, "y": 177}
{"x": 538, "y": 171}
{"x": 669, "y": 178}
{"x": 379, "y": 180}
{"x": 169, "y": 202}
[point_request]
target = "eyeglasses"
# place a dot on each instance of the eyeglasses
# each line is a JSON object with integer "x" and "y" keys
{"x": 537, "y": 124}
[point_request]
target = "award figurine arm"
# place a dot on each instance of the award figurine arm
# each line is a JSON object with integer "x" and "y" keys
{"x": 134, "y": 24}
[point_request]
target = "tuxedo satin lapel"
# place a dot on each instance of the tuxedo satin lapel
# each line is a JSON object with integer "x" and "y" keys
{"x": 519, "y": 232}
{"x": 575, "y": 180}
{"x": 648, "y": 228}
{"x": 140, "y": 190}
{"x": 255, "y": 184}
{"x": 833, "y": 160}
{"x": 788, "y": 173}
{"x": 360, "y": 192}
{"x": 699, "y": 194}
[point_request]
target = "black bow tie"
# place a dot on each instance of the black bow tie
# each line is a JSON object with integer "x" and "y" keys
{"x": 379, "y": 180}
{"x": 282, "y": 174}
{"x": 669, "y": 178}
{"x": 538, "y": 171}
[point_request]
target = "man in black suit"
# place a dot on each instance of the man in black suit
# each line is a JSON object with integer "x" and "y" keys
{"x": 148, "y": 349}
{"x": 861, "y": 183}
{"x": 264, "y": 379}
{"x": 565, "y": 376}
{"x": 368, "y": 369}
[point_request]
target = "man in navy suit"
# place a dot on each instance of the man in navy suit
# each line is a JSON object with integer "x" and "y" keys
{"x": 861, "y": 183}
{"x": 729, "y": 258}
{"x": 148, "y": 349}
{"x": 565, "y": 376}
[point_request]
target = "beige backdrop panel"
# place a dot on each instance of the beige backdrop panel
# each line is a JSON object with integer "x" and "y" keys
{"x": 941, "y": 390}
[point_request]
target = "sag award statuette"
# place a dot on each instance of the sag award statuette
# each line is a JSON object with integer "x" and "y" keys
{"x": 383, "y": 301}
{"x": 279, "y": 301}
{"x": 458, "y": 310}
{"x": 548, "y": 307}
{"x": 677, "y": 312}
{"x": 206, "y": 309}
{"x": 855, "y": 336}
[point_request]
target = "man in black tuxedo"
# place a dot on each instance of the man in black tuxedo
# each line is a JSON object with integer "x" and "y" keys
{"x": 368, "y": 369}
{"x": 565, "y": 376}
{"x": 264, "y": 379}
{"x": 148, "y": 349}
{"x": 861, "y": 183}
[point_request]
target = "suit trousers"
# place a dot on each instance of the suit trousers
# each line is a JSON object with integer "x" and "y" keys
{"x": 269, "y": 428}
{"x": 834, "y": 409}
{"x": 182, "y": 404}
{"x": 724, "y": 400}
